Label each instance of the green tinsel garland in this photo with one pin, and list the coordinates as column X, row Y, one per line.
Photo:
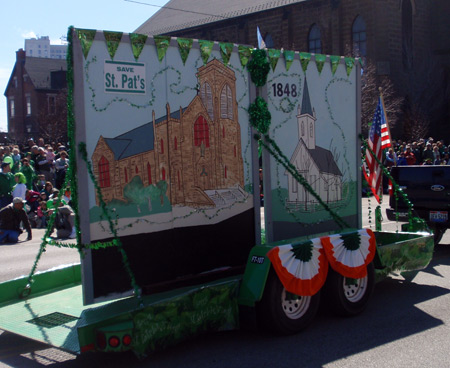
column 259, row 67
column 260, row 115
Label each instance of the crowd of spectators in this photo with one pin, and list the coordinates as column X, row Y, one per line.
column 420, row 152
column 34, row 172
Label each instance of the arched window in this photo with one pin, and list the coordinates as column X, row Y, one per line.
column 303, row 129
column 207, row 98
column 163, row 174
column 359, row 36
column 311, row 127
column 201, row 132
column 149, row 173
column 223, row 131
column 125, row 173
column 136, row 170
column 179, row 180
column 103, row 173
column 407, row 34
column 314, row 43
column 162, row 146
column 225, row 172
column 226, row 103
column 175, row 144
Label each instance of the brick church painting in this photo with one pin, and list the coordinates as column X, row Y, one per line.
column 189, row 157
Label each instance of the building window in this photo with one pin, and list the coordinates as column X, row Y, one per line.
column 225, row 173
column 407, row 34
column 201, row 132
column 235, row 151
column 179, row 180
column 294, row 185
column 28, row 99
column 303, row 129
column 223, row 131
column 359, row 37
column 125, row 173
column 52, row 105
column 314, row 43
column 175, row 144
column 226, row 105
column 207, row 98
column 162, row 146
column 149, row 173
column 163, row 174
column 136, row 170
column 311, row 130
column 103, row 173
column 12, row 109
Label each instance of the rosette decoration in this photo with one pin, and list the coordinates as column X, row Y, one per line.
column 302, row 268
column 350, row 253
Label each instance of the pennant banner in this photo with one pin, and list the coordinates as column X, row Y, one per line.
column 226, row 49
column 184, row 46
column 289, row 58
column 162, row 44
column 137, row 44
column 349, row 64
column 320, row 62
column 274, row 55
column 86, row 37
column 350, row 253
column 305, row 57
column 112, row 42
column 302, row 268
column 334, row 61
column 205, row 50
column 245, row 52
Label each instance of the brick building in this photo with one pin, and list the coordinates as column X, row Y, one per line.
column 405, row 39
column 33, row 95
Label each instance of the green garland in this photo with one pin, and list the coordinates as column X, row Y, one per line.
column 260, row 115
column 259, row 67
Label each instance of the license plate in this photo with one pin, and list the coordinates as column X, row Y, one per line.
column 438, row 216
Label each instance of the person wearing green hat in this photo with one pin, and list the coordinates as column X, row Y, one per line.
column 10, row 218
column 6, row 184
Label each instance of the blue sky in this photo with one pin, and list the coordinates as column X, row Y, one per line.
column 29, row 19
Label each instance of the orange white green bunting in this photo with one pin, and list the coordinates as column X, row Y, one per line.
column 350, row 253
column 302, row 268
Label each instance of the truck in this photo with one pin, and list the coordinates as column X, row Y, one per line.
column 427, row 189
column 165, row 135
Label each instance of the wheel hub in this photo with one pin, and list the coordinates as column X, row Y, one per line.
column 355, row 289
column 294, row 306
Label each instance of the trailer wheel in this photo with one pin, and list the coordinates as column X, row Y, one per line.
column 282, row 312
column 349, row 297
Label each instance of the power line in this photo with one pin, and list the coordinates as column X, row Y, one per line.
column 181, row 10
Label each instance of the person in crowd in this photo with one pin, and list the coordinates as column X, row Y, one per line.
column 402, row 160
column 64, row 219
column 16, row 160
column 44, row 166
column 428, row 153
column 417, row 150
column 7, row 156
column 6, row 185
column 61, row 166
column 436, row 155
column 11, row 217
column 391, row 158
column 47, row 191
column 409, row 156
column 20, row 189
column 33, row 198
column 29, row 173
column 42, row 215
column 40, row 183
column 34, row 156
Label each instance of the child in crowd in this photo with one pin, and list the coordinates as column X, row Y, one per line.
column 42, row 215
column 20, row 188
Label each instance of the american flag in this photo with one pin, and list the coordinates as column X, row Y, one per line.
column 379, row 139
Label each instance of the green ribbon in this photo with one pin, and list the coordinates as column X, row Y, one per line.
column 86, row 37
column 226, row 48
column 137, row 44
column 260, row 115
column 274, row 55
column 305, row 57
column 289, row 58
column 184, row 47
column 320, row 62
column 205, row 49
column 162, row 44
column 112, row 42
column 334, row 59
column 259, row 67
column 349, row 64
column 245, row 52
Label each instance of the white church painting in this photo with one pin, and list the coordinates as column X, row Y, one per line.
column 316, row 164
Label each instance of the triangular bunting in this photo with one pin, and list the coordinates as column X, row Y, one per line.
column 245, row 52
column 274, row 55
column 225, row 51
column 350, row 253
column 137, row 44
column 334, row 61
column 305, row 57
column 349, row 64
column 86, row 37
column 184, row 47
column 302, row 268
column 205, row 49
column 112, row 42
column 320, row 62
column 162, row 44
column 289, row 58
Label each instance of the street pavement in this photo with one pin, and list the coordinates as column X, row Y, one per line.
column 406, row 324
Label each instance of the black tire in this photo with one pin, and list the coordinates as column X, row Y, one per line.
column 282, row 312
column 349, row 297
column 438, row 234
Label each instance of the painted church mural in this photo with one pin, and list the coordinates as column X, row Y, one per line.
column 191, row 154
column 316, row 164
